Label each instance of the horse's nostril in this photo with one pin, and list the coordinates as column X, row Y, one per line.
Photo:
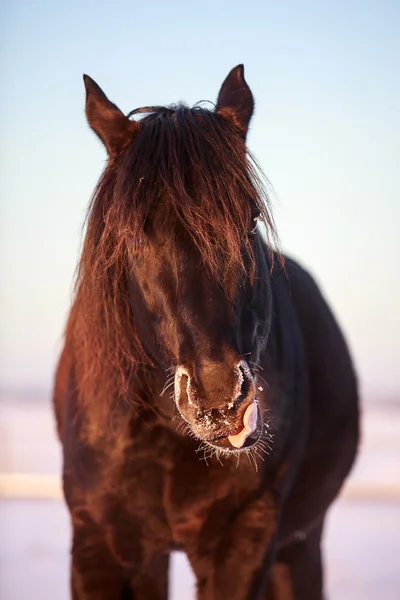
column 186, row 391
column 215, row 413
column 245, row 385
column 182, row 383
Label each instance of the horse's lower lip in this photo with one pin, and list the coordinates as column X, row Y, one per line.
column 224, row 443
column 225, row 434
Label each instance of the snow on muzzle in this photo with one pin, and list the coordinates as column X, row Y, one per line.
column 219, row 404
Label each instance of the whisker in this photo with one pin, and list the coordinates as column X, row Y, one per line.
column 263, row 447
column 254, row 459
column 256, row 366
column 258, row 454
column 218, row 457
column 166, row 386
column 263, row 380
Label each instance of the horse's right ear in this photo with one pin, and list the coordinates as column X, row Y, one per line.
column 235, row 100
column 107, row 121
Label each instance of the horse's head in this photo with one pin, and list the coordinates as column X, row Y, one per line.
column 179, row 204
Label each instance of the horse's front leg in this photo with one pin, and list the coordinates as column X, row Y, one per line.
column 103, row 570
column 231, row 562
column 297, row 573
column 95, row 574
column 152, row 582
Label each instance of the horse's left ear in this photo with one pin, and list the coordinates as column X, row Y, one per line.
column 235, row 100
column 114, row 129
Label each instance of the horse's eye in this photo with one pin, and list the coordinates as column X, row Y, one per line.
column 255, row 219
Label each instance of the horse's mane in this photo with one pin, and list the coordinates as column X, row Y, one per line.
column 197, row 160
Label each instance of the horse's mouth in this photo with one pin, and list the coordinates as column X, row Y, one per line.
column 238, row 438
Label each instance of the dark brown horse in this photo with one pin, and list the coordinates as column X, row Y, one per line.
column 178, row 292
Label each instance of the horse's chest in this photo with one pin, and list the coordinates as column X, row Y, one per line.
column 200, row 498
column 160, row 490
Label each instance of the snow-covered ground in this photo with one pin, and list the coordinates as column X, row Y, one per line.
column 362, row 539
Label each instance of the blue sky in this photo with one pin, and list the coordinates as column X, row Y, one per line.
column 326, row 131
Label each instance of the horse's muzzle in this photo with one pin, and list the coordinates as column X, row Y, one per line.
column 218, row 402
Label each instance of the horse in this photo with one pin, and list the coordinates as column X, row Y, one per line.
column 205, row 397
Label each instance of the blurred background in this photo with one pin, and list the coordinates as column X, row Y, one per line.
column 326, row 131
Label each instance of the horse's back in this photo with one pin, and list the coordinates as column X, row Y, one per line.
column 332, row 380
column 333, row 431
